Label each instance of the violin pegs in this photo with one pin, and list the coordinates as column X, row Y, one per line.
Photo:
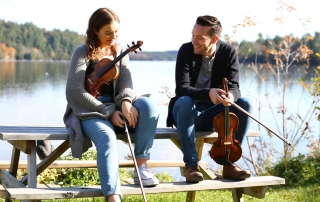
column 128, row 45
column 135, row 51
column 140, row 49
column 132, row 42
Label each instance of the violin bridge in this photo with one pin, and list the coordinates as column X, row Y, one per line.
column 227, row 143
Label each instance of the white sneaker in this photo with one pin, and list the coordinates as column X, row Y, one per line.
column 147, row 177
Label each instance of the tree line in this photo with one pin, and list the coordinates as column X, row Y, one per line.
column 28, row 42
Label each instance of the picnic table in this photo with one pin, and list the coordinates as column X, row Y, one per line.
column 23, row 139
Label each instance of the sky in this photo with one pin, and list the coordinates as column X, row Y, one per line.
column 165, row 25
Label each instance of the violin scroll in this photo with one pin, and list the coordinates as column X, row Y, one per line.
column 134, row 46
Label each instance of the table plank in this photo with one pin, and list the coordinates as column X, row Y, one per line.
column 61, row 133
column 2, row 191
column 93, row 164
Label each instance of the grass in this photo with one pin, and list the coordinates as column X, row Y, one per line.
column 280, row 193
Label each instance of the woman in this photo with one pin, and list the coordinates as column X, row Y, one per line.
column 96, row 118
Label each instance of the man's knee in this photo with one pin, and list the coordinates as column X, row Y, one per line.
column 245, row 103
column 183, row 109
column 185, row 101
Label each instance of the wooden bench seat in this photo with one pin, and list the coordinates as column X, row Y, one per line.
column 254, row 186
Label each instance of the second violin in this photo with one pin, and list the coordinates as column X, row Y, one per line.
column 226, row 149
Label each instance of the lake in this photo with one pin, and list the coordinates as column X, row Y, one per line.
column 33, row 93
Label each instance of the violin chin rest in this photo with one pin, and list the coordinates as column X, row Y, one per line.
column 222, row 160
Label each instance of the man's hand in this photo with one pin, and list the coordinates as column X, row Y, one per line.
column 216, row 96
column 129, row 112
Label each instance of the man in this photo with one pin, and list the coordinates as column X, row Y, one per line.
column 201, row 66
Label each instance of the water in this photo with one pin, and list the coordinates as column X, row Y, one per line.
column 33, row 93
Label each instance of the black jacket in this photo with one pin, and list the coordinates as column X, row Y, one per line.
column 188, row 64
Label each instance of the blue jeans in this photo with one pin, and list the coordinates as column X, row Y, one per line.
column 189, row 117
column 103, row 135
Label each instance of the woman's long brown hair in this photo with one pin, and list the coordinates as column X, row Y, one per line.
column 98, row 19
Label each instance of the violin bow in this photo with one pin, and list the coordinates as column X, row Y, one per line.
column 135, row 162
column 248, row 114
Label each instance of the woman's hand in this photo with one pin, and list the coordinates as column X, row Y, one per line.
column 129, row 113
column 116, row 119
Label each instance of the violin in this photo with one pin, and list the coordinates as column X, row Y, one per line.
column 226, row 149
column 106, row 71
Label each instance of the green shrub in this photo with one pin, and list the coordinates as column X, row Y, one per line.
column 86, row 176
column 91, row 154
column 299, row 170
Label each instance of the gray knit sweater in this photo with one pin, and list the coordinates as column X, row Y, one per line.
column 81, row 105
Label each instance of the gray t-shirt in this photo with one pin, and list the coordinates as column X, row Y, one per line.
column 204, row 77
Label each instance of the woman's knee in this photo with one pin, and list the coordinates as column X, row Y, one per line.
column 100, row 131
column 146, row 105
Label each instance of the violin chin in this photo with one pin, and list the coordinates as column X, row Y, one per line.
column 222, row 160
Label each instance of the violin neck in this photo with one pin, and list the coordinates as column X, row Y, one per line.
column 226, row 121
column 226, row 109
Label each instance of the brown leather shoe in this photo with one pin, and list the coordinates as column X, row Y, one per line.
column 234, row 172
column 193, row 174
